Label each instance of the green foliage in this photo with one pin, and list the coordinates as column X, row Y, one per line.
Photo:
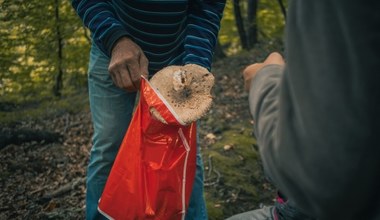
column 228, row 34
column 29, row 46
column 28, row 38
column 270, row 22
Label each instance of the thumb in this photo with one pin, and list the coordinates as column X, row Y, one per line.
column 249, row 73
column 144, row 66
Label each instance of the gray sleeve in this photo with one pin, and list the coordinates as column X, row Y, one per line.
column 264, row 98
column 318, row 123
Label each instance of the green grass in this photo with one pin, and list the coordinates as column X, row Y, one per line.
column 38, row 108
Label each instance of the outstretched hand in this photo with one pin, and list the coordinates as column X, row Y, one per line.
column 250, row 71
column 127, row 64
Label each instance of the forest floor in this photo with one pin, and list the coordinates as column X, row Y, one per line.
column 42, row 180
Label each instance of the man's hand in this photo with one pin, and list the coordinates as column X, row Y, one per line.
column 127, row 64
column 250, row 71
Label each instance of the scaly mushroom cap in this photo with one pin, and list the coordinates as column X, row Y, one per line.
column 187, row 89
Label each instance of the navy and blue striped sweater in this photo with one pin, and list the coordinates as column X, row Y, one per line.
column 168, row 31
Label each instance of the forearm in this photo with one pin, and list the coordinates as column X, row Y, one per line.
column 264, row 108
column 202, row 31
column 99, row 17
column 263, row 100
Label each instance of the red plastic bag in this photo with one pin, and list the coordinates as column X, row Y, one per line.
column 153, row 173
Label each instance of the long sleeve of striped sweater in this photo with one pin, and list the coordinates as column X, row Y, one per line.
column 169, row 32
column 202, row 32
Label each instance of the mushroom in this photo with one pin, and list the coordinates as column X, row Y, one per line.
column 187, row 89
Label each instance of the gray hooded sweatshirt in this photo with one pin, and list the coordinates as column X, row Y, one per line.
column 317, row 121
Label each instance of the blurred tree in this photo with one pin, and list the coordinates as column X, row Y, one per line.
column 58, row 79
column 240, row 25
column 252, row 23
column 218, row 51
column 246, row 23
column 43, row 47
column 247, row 38
column 283, row 8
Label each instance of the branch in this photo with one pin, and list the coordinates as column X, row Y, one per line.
column 282, row 6
column 65, row 188
column 26, row 135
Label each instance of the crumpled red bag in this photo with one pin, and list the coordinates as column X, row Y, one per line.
column 153, row 173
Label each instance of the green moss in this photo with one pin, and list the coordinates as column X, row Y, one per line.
column 237, row 168
column 42, row 108
column 238, row 163
column 214, row 209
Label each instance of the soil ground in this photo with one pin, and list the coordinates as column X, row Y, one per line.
column 41, row 180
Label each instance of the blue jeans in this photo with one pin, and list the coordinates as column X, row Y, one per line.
column 111, row 110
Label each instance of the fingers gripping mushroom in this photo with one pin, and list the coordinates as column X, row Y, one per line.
column 187, row 89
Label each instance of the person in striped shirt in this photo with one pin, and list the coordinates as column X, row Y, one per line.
column 133, row 38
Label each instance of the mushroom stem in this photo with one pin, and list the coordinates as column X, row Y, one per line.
column 181, row 85
column 179, row 80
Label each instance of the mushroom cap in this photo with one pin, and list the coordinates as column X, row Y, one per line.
column 187, row 89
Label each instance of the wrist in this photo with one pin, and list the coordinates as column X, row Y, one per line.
column 120, row 41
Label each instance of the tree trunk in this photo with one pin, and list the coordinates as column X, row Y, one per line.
column 282, row 6
column 252, row 23
column 240, row 25
column 58, row 78
column 218, row 51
